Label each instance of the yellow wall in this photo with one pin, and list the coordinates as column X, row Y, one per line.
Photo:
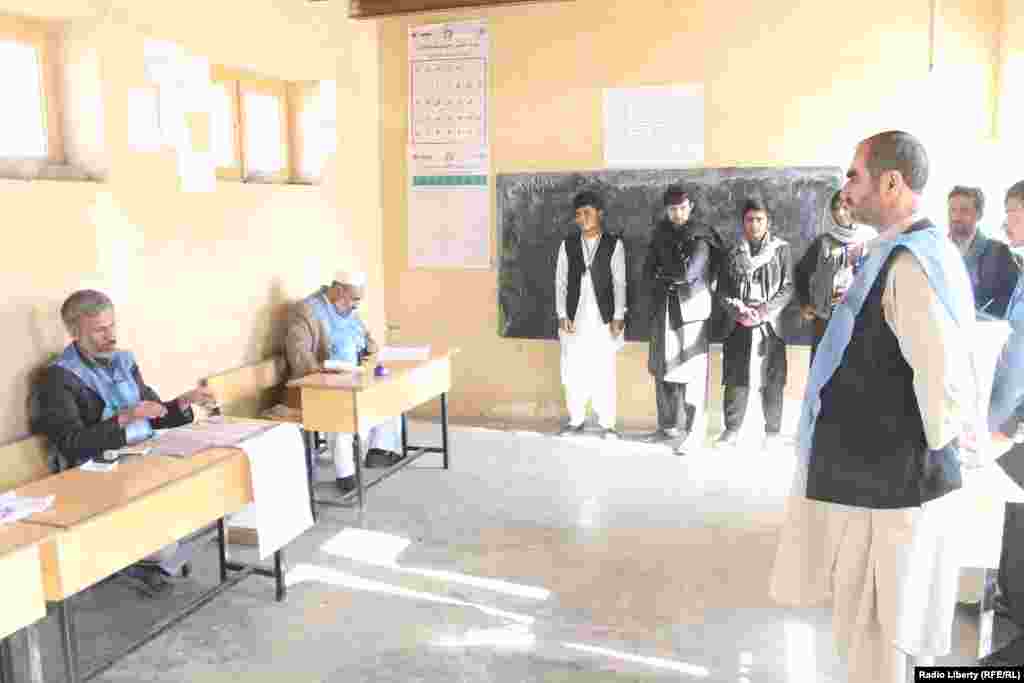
column 199, row 280
column 786, row 83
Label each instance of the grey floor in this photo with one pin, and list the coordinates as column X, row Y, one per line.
column 534, row 559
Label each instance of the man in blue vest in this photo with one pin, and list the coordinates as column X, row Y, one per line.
column 323, row 327
column 93, row 399
column 891, row 390
column 590, row 300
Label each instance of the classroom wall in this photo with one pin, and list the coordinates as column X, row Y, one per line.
column 200, row 280
column 787, row 83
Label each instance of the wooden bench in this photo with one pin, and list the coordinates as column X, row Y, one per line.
column 23, row 462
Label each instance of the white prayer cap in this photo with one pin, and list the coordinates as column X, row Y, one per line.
column 353, row 278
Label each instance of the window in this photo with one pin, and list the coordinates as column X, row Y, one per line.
column 29, row 117
column 269, row 130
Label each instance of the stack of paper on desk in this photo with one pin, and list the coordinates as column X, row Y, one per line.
column 190, row 439
column 400, row 353
column 13, row 508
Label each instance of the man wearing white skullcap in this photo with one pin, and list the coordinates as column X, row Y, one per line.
column 325, row 326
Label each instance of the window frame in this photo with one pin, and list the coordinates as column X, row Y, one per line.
column 279, row 90
column 44, row 39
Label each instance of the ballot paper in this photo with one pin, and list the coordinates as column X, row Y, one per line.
column 96, row 466
column 13, row 508
column 216, row 432
column 403, row 353
column 341, row 366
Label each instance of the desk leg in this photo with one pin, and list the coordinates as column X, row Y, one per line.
column 986, row 613
column 222, row 550
column 6, row 661
column 279, row 575
column 357, row 455
column 35, row 658
column 444, row 428
column 405, row 437
column 69, row 639
column 309, row 439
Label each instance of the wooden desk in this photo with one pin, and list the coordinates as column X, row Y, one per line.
column 355, row 402
column 110, row 520
column 21, row 592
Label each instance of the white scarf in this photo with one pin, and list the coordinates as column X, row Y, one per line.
column 746, row 263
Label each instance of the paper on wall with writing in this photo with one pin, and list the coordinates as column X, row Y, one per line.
column 280, row 509
column 657, row 126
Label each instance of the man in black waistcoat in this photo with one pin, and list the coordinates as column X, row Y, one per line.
column 678, row 275
column 891, row 389
column 754, row 287
column 590, row 299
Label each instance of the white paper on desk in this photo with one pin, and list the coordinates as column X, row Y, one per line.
column 13, row 508
column 341, row 366
column 187, row 440
column 94, row 466
column 400, row 353
column 280, row 509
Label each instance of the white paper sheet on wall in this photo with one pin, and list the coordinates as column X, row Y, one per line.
column 654, row 126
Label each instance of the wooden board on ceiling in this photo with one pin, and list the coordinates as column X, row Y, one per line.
column 368, row 9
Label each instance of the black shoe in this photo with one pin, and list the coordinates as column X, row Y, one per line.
column 569, row 430
column 378, row 457
column 727, row 439
column 148, row 580
column 663, row 435
column 610, row 434
column 346, row 484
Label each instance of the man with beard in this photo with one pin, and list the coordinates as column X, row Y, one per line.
column 754, row 287
column 678, row 272
column 93, row 399
column 890, row 391
column 989, row 262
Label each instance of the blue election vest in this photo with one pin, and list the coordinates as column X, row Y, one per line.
column 346, row 333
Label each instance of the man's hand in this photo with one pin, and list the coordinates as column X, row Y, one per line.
column 838, row 296
column 200, row 396
column 807, row 312
column 371, row 345
column 149, row 410
column 566, row 325
column 617, row 326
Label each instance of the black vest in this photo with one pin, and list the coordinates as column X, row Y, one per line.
column 600, row 273
column 869, row 448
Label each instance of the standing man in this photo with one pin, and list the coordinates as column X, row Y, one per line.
column 890, row 391
column 1008, row 383
column 754, row 287
column 590, row 299
column 678, row 272
column 988, row 261
column 325, row 326
column 93, row 399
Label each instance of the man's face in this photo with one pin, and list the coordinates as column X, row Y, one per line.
column 97, row 334
column 862, row 194
column 348, row 298
column 1015, row 221
column 755, row 224
column 588, row 218
column 679, row 213
column 963, row 216
column 841, row 215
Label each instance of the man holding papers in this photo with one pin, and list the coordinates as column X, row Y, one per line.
column 93, row 399
column 325, row 334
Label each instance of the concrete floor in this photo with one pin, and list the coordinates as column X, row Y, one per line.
column 533, row 559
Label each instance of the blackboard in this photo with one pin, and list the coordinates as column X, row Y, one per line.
column 534, row 213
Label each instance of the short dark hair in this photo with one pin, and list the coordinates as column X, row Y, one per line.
column 973, row 193
column 675, row 194
column 588, row 198
column 836, row 200
column 754, row 204
column 895, row 150
column 1016, row 191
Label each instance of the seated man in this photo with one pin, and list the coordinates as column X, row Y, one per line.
column 93, row 399
column 325, row 326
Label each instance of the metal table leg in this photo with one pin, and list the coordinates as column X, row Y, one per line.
column 279, row 575
column 69, row 639
column 357, row 455
column 405, row 437
column 444, row 428
column 6, row 662
column 35, row 658
column 222, row 550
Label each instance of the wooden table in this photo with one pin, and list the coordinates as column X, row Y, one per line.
column 354, row 402
column 21, row 592
column 110, row 520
